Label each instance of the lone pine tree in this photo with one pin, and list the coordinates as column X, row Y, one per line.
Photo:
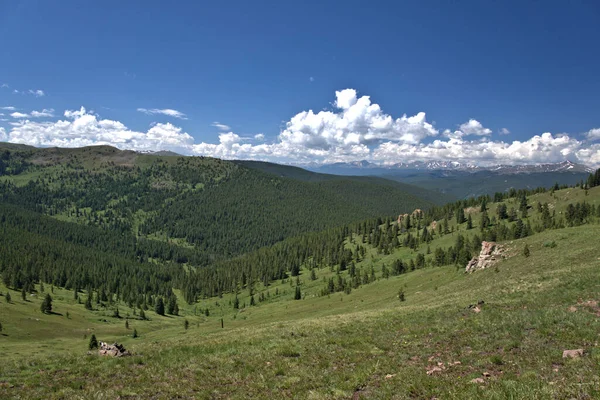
column 93, row 342
column 46, row 306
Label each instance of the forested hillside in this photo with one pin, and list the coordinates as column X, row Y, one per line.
column 217, row 207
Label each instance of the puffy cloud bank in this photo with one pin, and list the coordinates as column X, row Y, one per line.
column 356, row 129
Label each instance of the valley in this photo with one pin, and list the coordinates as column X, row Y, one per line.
column 344, row 302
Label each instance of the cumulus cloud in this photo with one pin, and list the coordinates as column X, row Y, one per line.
column 593, row 134
column 221, row 126
column 17, row 114
column 82, row 128
column 469, row 128
column 504, row 131
column 356, row 121
column 45, row 113
column 165, row 111
column 356, row 129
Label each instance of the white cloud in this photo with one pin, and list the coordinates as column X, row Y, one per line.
column 357, row 122
column 221, row 126
column 504, row 131
column 45, row 113
column 9, row 108
column 19, row 115
column 593, row 134
column 37, row 92
column 165, row 111
column 4, row 85
column 84, row 129
column 356, row 129
column 469, row 128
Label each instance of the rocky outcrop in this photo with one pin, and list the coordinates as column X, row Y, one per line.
column 489, row 255
column 401, row 218
column 114, row 350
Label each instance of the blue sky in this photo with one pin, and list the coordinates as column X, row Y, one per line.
column 531, row 69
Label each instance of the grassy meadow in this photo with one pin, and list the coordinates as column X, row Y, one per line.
column 366, row 344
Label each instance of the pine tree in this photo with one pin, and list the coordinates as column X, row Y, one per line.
column 252, row 301
column 24, row 294
column 142, row 314
column 88, row 302
column 401, row 295
column 469, row 222
column 526, row 251
column 313, row 275
column 236, row 303
column 8, row 297
column 207, row 312
column 159, row 308
column 172, row 305
column 135, row 334
column 93, row 344
column 46, row 306
column 460, row 215
column 126, row 324
column 385, row 273
column 298, row 294
column 186, row 324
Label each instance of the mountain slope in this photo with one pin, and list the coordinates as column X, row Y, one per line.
column 220, row 208
column 365, row 342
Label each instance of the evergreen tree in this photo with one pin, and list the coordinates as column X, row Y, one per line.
column 469, row 222
column 24, row 295
column 298, row 294
column 93, row 344
column 142, row 314
column 385, row 273
column 159, row 308
column 252, row 301
column 135, row 333
column 46, row 306
column 526, row 250
column 207, row 312
column 88, row 302
column 126, row 324
column 236, row 303
column 186, row 324
column 0, row 326
column 313, row 275
column 8, row 297
column 460, row 215
column 401, row 295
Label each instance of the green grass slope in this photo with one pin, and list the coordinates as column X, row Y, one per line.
column 365, row 344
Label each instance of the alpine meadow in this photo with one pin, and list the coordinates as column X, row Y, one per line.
column 233, row 281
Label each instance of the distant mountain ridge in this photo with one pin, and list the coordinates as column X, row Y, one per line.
column 564, row 166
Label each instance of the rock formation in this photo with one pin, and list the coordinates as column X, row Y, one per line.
column 490, row 253
column 114, row 350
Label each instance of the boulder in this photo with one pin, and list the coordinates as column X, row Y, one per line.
column 114, row 350
column 490, row 254
column 573, row 353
